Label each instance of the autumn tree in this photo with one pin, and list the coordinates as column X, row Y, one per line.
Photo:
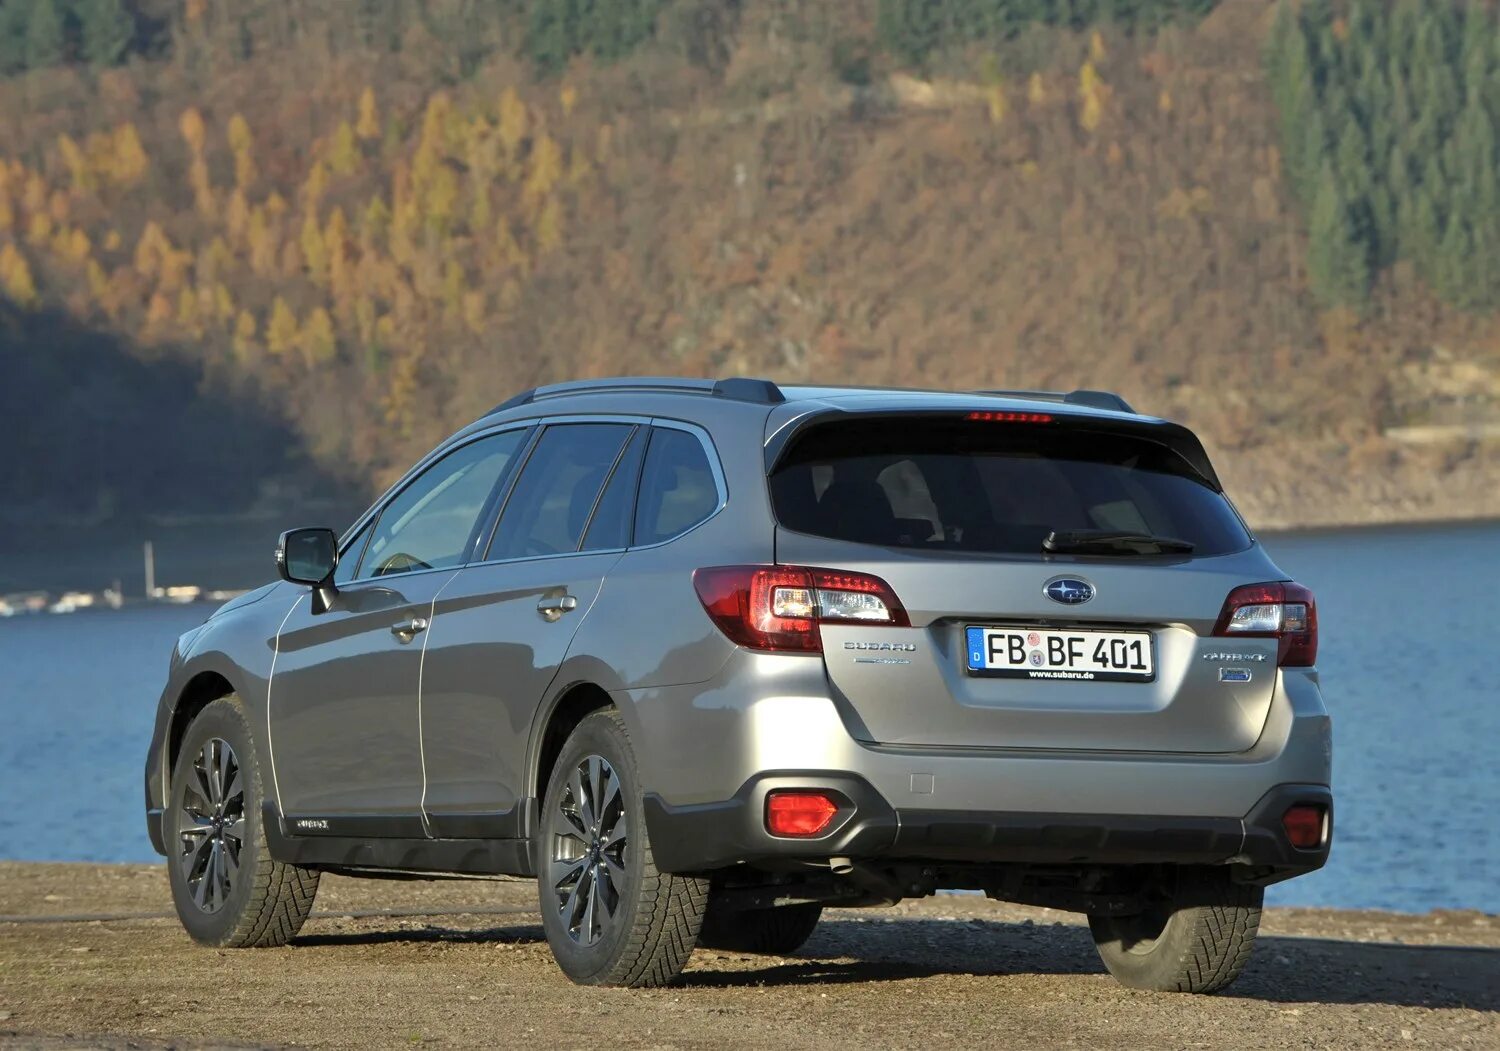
column 317, row 338
column 368, row 127
column 15, row 276
column 128, row 163
column 343, row 150
column 281, row 330
column 242, row 145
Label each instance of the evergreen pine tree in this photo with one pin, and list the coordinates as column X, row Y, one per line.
column 43, row 45
column 13, row 19
column 1427, row 220
column 552, row 32
column 1338, row 264
column 105, row 28
column 1311, row 158
column 910, row 29
column 1449, row 271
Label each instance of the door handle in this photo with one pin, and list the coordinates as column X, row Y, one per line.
column 553, row 608
column 407, row 630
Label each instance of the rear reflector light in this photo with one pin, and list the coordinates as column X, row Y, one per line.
column 1279, row 610
column 798, row 813
column 1010, row 417
column 780, row 607
column 1304, row 826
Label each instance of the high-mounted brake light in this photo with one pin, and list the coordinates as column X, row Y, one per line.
column 780, row 607
column 1279, row 610
column 1011, row 417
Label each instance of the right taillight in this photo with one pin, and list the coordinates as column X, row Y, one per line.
column 1279, row 610
column 780, row 607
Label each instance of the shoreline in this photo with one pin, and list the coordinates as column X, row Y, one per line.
column 1478, row 519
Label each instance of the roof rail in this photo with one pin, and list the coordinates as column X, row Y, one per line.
column 1093, row 399
column 736, row 388
column 743, row 388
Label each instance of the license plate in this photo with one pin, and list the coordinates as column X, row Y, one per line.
column 1046, row 653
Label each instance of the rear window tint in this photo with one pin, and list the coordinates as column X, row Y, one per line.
column 677, row 487
column 999, row 488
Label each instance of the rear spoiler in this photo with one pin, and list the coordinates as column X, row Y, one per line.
column 1174, row 436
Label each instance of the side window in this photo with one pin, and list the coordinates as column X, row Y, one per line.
column 349, row 560
column 610, row 527
column 430, row 523
column 554, row 498
column 677, row 487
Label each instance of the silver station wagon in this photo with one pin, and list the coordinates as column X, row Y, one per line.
column 703, row 658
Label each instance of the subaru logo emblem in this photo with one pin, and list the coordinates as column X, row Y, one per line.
column 1068, row 590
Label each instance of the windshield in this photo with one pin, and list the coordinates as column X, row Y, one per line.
column 944, row 484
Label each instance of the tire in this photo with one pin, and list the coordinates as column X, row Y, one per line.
column 778, row 931
column 610, row 917
column 1194, row 938
column 228, row 891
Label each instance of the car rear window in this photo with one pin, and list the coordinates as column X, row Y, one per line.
column 956, row 485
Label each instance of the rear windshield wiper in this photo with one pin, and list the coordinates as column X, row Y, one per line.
column 1113, row 541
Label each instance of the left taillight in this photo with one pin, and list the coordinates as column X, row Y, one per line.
column 1279, row 610
column 779, row 608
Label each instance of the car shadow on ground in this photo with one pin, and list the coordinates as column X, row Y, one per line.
column 1290, row 970
column 522, row 934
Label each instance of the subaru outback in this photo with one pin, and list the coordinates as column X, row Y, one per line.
column 704, row 658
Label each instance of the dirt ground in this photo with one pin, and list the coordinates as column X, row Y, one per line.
column 90, row 957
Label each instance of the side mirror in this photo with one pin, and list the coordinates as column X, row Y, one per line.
column 308, row 556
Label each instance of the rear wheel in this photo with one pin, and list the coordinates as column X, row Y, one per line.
column 227, row 889
column 1195, row 936
column 610, row 917
column 776, row 932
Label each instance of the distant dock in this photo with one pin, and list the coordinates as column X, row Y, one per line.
column 22, row 603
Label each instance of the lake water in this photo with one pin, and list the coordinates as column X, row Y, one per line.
column 1409, row 659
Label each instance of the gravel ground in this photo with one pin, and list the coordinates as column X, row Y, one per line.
column 463, row 963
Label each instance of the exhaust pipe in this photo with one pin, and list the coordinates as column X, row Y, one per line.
column 879, row 888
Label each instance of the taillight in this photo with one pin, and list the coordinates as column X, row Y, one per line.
column 1279, row 610
column 780, row 607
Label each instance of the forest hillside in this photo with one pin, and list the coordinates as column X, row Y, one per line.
column 360, row 224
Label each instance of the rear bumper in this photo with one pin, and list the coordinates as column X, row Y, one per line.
column 773, row 721
column 707, row 836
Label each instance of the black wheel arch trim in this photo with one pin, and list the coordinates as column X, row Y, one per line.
column 158, row 766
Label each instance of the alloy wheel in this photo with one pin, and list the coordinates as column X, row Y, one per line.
column 589, row 839
column 211, row 825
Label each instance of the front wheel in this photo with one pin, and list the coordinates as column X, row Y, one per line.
column 1194, row 936
column 610, row 916
column 228, row 890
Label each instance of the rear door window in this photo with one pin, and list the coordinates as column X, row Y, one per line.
column 955, row 485
column 610, row 527
column 678, row 489
column 554, row 498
